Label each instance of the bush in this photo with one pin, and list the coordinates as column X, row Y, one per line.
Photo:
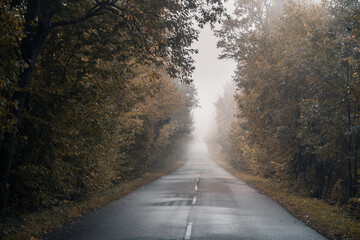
column 353, row 206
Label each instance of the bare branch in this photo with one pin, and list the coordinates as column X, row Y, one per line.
column 94, row 11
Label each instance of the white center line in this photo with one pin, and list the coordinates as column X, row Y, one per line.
column 188, row 231
column 194, row 201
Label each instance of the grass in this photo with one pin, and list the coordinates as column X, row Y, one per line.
column 32, row 226
column 334, row 222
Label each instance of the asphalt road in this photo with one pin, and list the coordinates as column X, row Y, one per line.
column 198, row 201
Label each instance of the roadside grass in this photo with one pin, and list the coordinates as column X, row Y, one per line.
column 33, row 226
column 334, row 222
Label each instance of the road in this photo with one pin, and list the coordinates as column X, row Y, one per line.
column 198, row 201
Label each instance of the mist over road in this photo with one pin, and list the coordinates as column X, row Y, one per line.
column 198, row 201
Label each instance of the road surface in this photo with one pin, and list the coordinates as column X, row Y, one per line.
column 198, row 201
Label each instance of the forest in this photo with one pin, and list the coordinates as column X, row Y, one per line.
column 92, row 93
column 295, row 116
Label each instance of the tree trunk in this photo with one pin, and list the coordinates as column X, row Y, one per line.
column 349, row 154
column 357, row 142
column 30, row 48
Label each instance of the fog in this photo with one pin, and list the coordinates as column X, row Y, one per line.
column 209, row 78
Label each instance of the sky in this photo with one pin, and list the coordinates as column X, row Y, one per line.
column 210, row 76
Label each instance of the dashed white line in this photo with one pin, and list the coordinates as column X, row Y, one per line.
column 188, row 231
column 194, row 201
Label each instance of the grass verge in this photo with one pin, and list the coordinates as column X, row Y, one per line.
column 32, row 226
column 332, row 221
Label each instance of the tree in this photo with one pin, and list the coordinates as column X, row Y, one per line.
column 298, row 99
column 152, row 31
column 225, row 114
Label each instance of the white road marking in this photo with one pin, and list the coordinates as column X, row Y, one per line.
column 196, row 184
column 197, row 180
column 194, row 201
column 188, row 231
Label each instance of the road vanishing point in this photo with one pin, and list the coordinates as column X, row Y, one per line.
column 200, row 200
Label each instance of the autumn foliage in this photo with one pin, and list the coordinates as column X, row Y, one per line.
column 298, row 94
column 92, row 93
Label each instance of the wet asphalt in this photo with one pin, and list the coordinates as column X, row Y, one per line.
column 198, row 201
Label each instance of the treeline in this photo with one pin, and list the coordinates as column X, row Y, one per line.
column 298, row 94
column 225, row 112
column 92, row 93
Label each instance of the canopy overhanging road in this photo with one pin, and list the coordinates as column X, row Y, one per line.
column 198, row 201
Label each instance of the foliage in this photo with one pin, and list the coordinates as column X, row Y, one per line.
column 298, row 97
column 110, row 135
column 87, row 96
column 91, row 93
column 225, row 112
column 11, row 30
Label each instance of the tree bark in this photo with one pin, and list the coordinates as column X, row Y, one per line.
column 349, row 154
column 357, row 142
column 30, row 49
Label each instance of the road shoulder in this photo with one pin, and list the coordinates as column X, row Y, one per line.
column 330, row 220
column 34, row 225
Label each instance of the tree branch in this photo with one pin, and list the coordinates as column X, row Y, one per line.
column 94, row 11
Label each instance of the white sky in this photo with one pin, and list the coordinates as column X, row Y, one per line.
column 209, row 78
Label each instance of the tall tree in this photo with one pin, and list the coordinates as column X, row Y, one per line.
column 155, row 31
column 298, row 99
